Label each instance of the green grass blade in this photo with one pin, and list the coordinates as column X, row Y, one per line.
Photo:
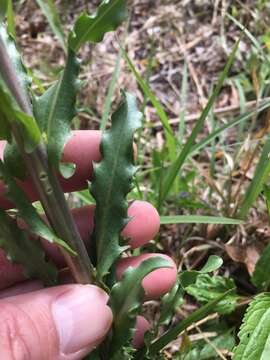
column 248, row 34
column 183, row 99
column 261, row 175
column 178, row 163
column 10, row 19
column 170, row 139
column 197, row 315
column 198, row 219
column 240, row 119
column 50, row 11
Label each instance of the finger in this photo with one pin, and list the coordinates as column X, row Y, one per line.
column 143, row 227
column 142, row 326
column 81, row 149
column 158, row 282
column 61, row 323
column 22, row 288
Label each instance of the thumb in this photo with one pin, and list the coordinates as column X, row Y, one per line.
column 60, row 323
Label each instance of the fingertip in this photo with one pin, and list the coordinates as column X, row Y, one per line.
column 158, row 282
column 144, row 224
column 142, row 326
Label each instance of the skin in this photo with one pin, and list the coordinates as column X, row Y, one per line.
column 58, row 323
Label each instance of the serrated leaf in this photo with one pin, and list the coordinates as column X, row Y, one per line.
column 170, row 302
column 254, row 332
column 11, row 154
column 109, row 15
column 55, row 109
column 112, row 180
column 27, row 212
column 126, row 299
column 20, row 249
column 13, row 161
column 207, row 288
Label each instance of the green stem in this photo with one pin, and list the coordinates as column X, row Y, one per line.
column 46, row 183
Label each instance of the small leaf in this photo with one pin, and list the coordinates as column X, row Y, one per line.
column 112, row 182
column 20, row 249
column 109, row 15
column 27, row 211
column 55, row 109
column 207, row 288
column 189, row 277
column 126, row 299
column 170, row 302
column 213, row 263
column 254, row 331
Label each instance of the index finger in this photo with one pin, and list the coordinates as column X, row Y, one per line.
column 81, row 149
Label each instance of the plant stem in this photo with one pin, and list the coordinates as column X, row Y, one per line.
column 46, row 183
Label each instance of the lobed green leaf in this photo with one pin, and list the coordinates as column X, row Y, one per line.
column 55, row 109
column 27, row 212
column 109, row 15
column 112, row 180
column 126, row 299
column 20, row 249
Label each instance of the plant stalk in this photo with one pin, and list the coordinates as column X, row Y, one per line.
column 46, row 183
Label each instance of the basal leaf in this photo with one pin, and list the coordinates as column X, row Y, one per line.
column 55, row 109
column 207, row 288
column 112, row 182
column 27, row 212
column 254, row 332
column 109, row 15
column 20, row 249
column 126, row 299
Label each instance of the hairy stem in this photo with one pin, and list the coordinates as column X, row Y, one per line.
column 46, row 183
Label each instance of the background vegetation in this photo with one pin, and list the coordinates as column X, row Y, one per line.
column 200, row 70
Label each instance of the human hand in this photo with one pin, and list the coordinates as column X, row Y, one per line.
column 68, row 321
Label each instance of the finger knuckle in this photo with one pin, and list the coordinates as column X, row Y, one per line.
column 13, row 339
